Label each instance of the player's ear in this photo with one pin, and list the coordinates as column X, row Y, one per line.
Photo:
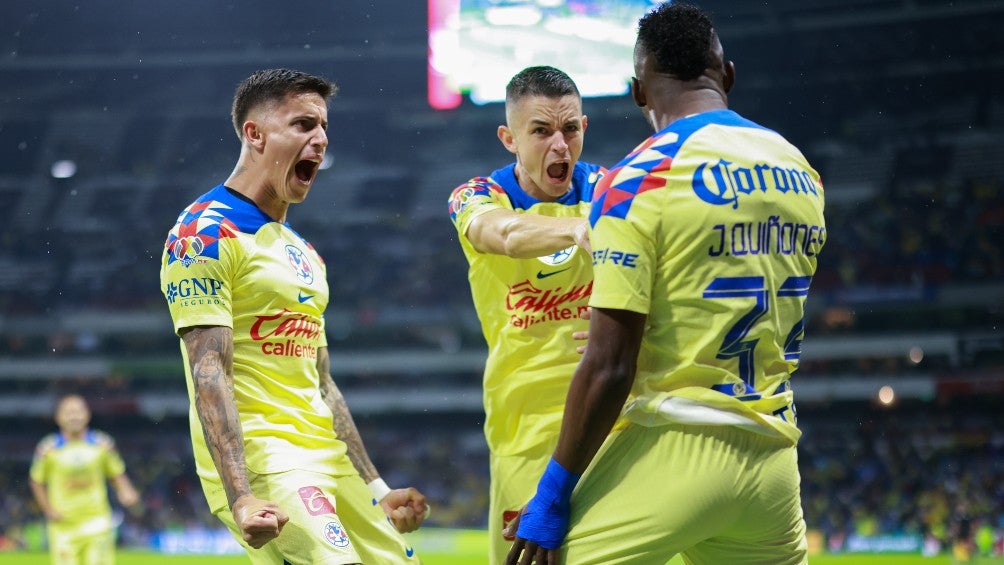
column 636, row 93
column 585, row 122
column 506, row 137
column 729, row 76
column 253, row 134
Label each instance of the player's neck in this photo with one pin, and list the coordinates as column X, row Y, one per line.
column 256, row 189
column 682, row 99
column 74, row 436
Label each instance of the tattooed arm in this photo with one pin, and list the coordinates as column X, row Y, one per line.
column 344, row 425
column 405, row 507
column 211, row 355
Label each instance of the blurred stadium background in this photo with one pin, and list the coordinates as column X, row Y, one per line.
column 114, row 115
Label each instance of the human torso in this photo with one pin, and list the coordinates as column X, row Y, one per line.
column 228, row 264
column 75, row 473
column 528, row 309
column 711, row 227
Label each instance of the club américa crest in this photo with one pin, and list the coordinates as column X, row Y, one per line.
column 301, row 265
column 335, row 534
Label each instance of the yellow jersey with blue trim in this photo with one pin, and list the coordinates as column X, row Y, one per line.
column 226, row 263
column 528, row 309
column 75, row 473
column 711, row 227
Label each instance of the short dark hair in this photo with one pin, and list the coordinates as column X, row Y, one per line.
column 270, row 85
column 679, row 36
column 540, row 81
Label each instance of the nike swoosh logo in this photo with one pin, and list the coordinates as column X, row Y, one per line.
column 543, row 275
column 303, row 298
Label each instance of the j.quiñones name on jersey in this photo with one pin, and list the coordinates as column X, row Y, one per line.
column 711, row 227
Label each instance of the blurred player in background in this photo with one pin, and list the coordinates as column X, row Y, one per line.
column 962, row 534
column 276, row 449
column 704, row 244
column 69, row 475
column 524, row 233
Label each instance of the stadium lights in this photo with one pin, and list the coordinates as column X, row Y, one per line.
column 886, row 395
column 63, row 169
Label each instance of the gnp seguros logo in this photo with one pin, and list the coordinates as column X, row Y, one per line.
column 194, row 291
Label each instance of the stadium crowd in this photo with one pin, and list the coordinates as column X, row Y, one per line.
column 919, row 220
column 911, row 470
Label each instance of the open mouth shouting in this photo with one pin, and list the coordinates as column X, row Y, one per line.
column 557, row 173
column 306, row 169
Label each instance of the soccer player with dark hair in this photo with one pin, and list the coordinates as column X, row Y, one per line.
column 705, row 239
column 69, row 476
column 523, row 230
column 278, row 453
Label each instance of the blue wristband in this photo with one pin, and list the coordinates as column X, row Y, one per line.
column 545, row 521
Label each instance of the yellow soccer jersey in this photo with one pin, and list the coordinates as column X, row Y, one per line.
column 528, row 310
column 75, row 473
column 228, row 264
column 711, row 227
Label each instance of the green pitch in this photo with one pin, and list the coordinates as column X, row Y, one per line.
column 463, row 547
column 434, row 558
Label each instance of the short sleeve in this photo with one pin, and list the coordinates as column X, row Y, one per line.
column 199, row 289
column 625, row 258
column 475, row 197
column 39, row 461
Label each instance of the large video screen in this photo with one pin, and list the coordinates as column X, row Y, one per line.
column 476, row 46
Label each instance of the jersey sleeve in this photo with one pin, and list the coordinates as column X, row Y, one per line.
column 625, row 259
column 39, row 470
column 474, row 198
column 113, row 464
column 199, row 289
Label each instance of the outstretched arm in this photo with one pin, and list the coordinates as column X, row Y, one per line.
column 526, row 235
column 405, row 507
column 211, row 355
column 595, row 399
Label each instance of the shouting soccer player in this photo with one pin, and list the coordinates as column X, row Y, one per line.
column 273, row 438
column 704, row 244
column 524, row 233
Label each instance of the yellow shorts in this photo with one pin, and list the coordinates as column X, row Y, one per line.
column 84, row 543
column 513, row 483
column 715, row 494
column 332, row 520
